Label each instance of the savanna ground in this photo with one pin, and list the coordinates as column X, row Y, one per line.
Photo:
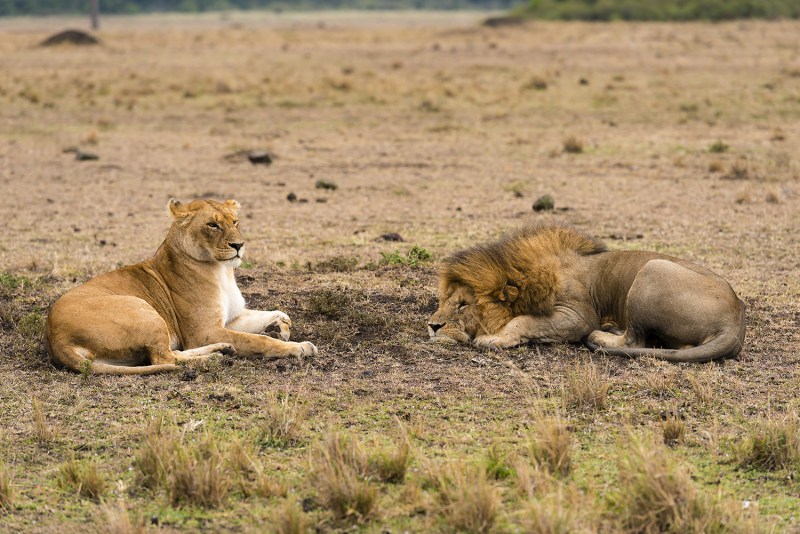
column 683, row 139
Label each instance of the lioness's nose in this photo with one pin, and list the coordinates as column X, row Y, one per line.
column 435, row 326
column 236, row 246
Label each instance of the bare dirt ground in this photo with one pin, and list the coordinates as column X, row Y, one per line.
column 445, row 132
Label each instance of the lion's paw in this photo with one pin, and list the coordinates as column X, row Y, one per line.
column 304, row 349
column 494, row 342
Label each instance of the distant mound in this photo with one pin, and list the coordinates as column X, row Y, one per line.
column 75, row 37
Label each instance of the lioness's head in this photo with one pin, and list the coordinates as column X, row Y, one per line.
column 207, row 230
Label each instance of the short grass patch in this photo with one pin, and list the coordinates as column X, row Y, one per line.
column 771, row 444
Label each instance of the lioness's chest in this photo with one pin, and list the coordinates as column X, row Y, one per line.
column 231, row 299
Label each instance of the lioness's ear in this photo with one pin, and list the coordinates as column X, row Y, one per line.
column 232, row 204
column 175, row 208
column 511, row 293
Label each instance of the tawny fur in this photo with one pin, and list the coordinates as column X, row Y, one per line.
column 181, row 305
column 552, row 283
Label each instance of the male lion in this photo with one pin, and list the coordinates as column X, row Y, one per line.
column 183, row 304
column 554, row 284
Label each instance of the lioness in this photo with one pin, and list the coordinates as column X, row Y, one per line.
column 183, row 304
column 554, row 284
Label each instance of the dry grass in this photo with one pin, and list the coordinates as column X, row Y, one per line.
column 562, row 511
column 284, row 423
column 469, row 500
column 661, row 379
column 117, row 519
column 390, row 463
column 6, row 487
column 657, row 495
column 339, row 467
column 42, row 431
column 290, row 519
column 82, row 477
column 193, row 471
column 198, row 474
column 586, row 386
column 673, row 429
column 771, row 444
column 550, row 445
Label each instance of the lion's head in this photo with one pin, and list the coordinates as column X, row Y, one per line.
column 207, row 230
column 484, row 287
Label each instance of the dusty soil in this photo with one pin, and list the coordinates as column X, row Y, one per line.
column 430, row 126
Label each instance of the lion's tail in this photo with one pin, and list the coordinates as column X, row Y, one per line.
column 727, row 344
column 72, row 358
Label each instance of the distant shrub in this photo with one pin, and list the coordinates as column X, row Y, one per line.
column 718, row 147
column 661, row 10
column 573, row 145
column 83, row 478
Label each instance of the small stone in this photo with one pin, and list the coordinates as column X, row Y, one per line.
column 543, row 203
column 260, row 157
column 86, row 156
column 583, row 81
column 291, row 197
column 393, row 236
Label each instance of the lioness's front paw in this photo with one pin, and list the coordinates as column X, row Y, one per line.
column 496, row 342
column 304, row 349
column 284, row 323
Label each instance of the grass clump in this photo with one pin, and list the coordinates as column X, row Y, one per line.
column 289, row 519
column 337, row 264
column 390, row 463
column 563, row 511
column 573, row 145
column 469, row 500
column 117, row 519
column 771, row 444
column 339, row 464
column 656, row 495
column 193, row 472
column 42, row 432
column 586, row 387
column 718, row 147
column 415, row 257
column 81, row 477
column 6, row 488
column 283, row 425
column 326, row 185
column 496, row 463
column 673, row 429
column 550, row 446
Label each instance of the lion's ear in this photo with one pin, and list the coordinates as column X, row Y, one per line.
column 176, row 209
column 233, row 205
column 511, row 293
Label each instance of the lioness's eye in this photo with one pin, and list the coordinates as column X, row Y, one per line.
column 214, row 225
column 462, row 305
column 236, row 224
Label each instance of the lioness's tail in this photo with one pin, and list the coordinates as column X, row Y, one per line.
column 726, row 344
column 72, row 359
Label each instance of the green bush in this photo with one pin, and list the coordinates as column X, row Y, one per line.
column 661, row 10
